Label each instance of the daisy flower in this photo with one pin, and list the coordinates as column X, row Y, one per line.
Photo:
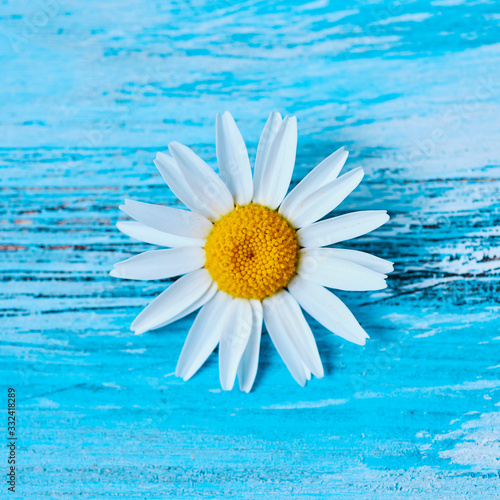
column 250, row 254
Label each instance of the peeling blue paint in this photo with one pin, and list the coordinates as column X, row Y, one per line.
column 90, row 91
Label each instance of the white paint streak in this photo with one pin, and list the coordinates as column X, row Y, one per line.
column 318, row 4
column 479, row 443
column 477, row 385
column 47, row 403
column 111, row 384
column 322, row 403
column 448, row 3
column 466, row 258
column 430, row 333
column 417, row 18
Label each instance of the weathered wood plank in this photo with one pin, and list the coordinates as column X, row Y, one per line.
column 92, row 90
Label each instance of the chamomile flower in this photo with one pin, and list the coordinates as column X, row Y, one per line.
column 249, row 254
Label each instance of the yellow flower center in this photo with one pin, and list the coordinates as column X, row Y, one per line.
column 251, row 252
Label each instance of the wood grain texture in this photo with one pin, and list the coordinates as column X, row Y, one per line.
column 91, row 90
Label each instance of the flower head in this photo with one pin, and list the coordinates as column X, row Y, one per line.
column 249, row 253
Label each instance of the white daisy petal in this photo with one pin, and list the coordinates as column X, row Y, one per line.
column 266, row 141
column 277, row 330
column 177, row 297
column 160, row 264
column 212, row 290
column 327, row 309
column 168, row 219
column 234, row 339
column 362, row 258
column 325, row 199
column 325, row 172
column 299, row 332
column 321, row 266
column 247, row 369
column 204, row 182
column 344, row 227
column 141, row 232
column 306, row 371
column 278, row 168
column 232, row 157
column 177, row 183
column 204, row 335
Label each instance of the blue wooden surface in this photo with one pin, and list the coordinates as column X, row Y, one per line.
column 91, row 90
